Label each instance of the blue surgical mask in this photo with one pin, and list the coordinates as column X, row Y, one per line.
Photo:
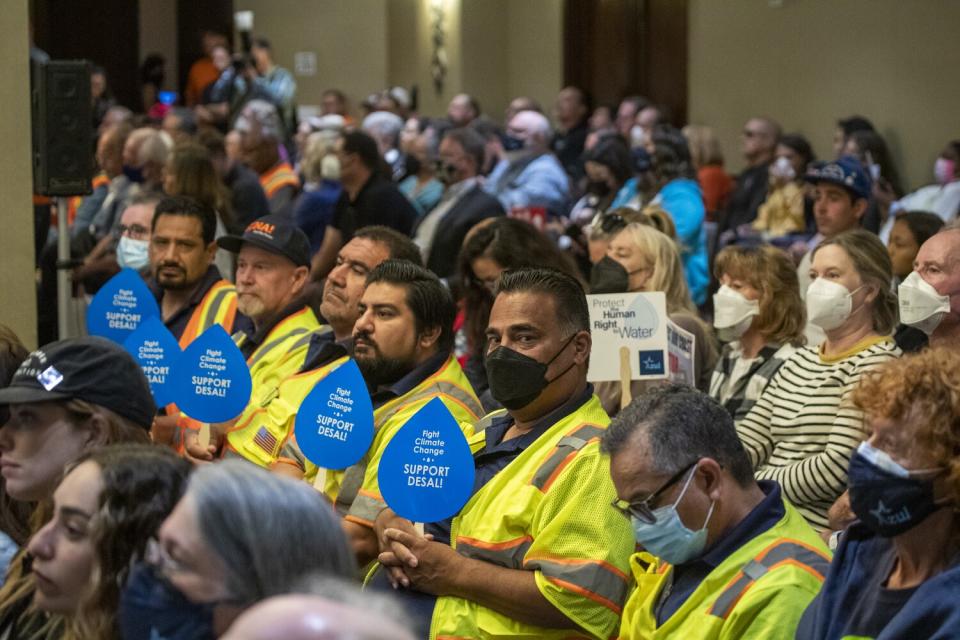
column 151, row 608
column 132, row 253
column 668, row 538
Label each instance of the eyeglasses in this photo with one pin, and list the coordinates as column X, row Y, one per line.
column 642, row 510
column 135, row 231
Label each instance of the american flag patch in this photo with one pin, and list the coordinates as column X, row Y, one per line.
column 265, row 440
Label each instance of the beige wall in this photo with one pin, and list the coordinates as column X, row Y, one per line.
column 18, row 291
column 158, row 34
column 349, row 38
column 809, row 62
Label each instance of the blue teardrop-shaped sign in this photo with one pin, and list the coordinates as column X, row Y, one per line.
column 426, row 472
column 154, row 347
column 211, row 381
column 120, row 306
column 334, row 425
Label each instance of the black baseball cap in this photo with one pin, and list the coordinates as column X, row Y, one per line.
column 93, row 369
column 274, row 233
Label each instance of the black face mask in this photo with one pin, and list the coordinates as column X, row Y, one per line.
column 512, row 143
column 517, row 380
column 886, row 503
column 151, row 607
column 411, row 165
column 609, row 276
column 446, row 173
column 598, row 188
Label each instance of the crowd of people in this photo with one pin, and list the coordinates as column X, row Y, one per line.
column 805, row 484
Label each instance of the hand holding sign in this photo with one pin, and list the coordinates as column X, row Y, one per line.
column 120, row 306
column 334, row 426
column 156, row 350
column 426, row 472
column 211, row 379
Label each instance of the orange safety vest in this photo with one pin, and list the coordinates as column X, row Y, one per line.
column 280, row 176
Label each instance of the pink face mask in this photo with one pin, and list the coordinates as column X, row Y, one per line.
column 943, row 170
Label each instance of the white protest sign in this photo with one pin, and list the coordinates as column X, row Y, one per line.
column 630, row 334
column 681, row 345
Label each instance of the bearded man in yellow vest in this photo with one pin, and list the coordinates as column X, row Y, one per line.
column 724, row 556
column 273, row 258
column 191, row 292
column 273, row 420
column 537, row 551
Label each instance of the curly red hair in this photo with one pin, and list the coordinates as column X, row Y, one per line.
column 923, row 388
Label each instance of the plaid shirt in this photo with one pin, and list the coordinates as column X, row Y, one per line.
column 737, row 395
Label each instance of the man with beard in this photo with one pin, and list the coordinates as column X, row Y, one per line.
column 273, row 258
column 191, row 292
column 261, row 134
column 403, row 345
column 340, row 308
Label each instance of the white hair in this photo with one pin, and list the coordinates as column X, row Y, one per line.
column 262, row 113
column 383, row 124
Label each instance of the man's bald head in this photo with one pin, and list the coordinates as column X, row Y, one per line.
column 308, row 617
column 760, row 136
column 532, row 126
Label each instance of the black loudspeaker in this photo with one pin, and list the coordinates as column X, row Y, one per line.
column 62, row 127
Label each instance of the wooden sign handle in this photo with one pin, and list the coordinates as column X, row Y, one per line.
column 626, row 377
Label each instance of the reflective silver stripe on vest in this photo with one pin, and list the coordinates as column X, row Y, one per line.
column 508, row 554
column 267, row 348
column 567, row 445
column 348, row 500
column 758, row 567
column 590, row 576
column 209, row 318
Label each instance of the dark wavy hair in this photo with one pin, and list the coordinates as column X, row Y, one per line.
column 512, row 244
column 141, row 485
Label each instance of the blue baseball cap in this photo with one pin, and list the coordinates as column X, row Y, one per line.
column 846, row 172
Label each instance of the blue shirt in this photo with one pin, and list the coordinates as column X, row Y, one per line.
column 537, row 182
column 854, row 600
column 683, row 200
column 687, row 577
column 314, row 211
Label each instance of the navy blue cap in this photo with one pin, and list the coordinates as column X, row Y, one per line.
column 846, row 172
column 273, row 233
column 89, row 368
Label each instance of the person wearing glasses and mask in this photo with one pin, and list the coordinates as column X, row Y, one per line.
column 896, row 572
column 724, row 556
column 803, row 429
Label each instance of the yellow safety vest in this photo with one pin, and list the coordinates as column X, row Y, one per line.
column 279, row 356
column 218, row 306
column 355, row 491
column 548, row 512
column 758, row 592
column 271, row 420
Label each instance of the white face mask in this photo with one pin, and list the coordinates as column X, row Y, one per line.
column 733, row 313
column 829, row 304
column 782, row 168
column 132, row 253
column 920, row 304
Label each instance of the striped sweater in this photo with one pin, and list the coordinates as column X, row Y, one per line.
column 804, row 428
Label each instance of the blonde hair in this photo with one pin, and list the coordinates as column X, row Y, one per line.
column 704, row 145
column 872, row 261
column 318, row 145
column 768, row 269
column 663, row 259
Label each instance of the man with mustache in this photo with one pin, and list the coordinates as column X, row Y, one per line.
column 191, row 292
column 273, row 267
column 340, row 308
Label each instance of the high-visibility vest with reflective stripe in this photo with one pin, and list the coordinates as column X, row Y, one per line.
column 272, row 419
column 279, row 356
column 218, row 306
column 356, row 490
column 280, row 176
column 548, row 512
column 758, row 592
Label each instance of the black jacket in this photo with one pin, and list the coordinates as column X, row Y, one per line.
column 474, row 206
